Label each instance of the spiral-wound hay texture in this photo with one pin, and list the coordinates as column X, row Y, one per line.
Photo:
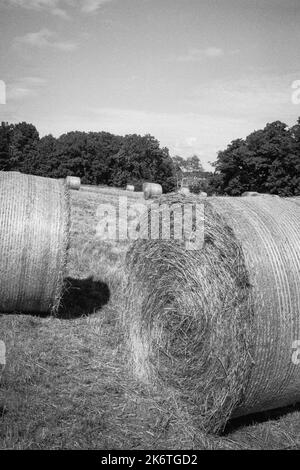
column 34, row 221
column 296, row 200
column 73, row 182
column 215, row 326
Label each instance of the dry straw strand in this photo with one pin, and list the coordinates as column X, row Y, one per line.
column 216, row 325
column 34, row 220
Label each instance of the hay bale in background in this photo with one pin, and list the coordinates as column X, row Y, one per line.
column 73, row 182
column 216, row 326
column 250, row 193
column 34, row 221
column 253, row 193
column 129, row 187
column 184, row 191
column 152, row 190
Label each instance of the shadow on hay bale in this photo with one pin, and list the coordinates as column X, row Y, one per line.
column 262, row 417
column 215, row 326
column 82, row 297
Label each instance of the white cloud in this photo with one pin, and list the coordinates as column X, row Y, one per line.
column 23, row 88
column 89, row 6
column 198, row 55
column 60, row 13
column 262, row 96
column 53, row 6
column 34, row 4
column 45, row 39
column 213, row 52
column 58, row 7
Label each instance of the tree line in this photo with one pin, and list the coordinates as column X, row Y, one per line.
column 96, row 157
column 266, row 161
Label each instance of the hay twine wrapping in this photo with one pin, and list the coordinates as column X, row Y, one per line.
column 215, row 326
column 152, row 190
column 73, row 182
column 34, row 221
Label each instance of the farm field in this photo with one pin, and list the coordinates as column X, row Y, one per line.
column 67, row 384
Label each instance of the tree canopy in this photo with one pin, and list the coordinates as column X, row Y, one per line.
column 96, row 157
column 266, row 161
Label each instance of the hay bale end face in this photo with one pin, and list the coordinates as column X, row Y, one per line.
column 73, row 182
column 152, row 190
column 34, row 221
column 216, row 326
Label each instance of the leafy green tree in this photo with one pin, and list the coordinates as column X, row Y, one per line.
column 5, row 163
column 267, row 161
column 23, row 148
column 46, row 156
column 193, row 163
column 101, row 146
column 139, row 159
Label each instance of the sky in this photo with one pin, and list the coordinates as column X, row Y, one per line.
column 196, row 74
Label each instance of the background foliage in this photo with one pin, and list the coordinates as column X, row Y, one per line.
column 266, row 161
column 96, row 157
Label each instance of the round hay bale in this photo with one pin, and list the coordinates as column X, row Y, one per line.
column 34, row 220
column 184, row 191
column 216, row 326
column 250, row 193
column 254, row 194
column 73, row 182
column 295, row 199
column 203, row 194
column 129, row 187
column 152, row 190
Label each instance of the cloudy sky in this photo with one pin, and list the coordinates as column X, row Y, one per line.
column 194, row 73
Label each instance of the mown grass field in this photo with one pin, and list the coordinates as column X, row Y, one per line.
column 67, row 384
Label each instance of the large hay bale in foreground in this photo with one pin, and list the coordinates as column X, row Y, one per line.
column 216, row 326
column 73, row 182
column 295, row 199
column 152, row 190
column 34, row 221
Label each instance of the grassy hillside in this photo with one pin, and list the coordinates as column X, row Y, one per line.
column 67, row 384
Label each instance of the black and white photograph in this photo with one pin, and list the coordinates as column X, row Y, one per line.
column 149, row 228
